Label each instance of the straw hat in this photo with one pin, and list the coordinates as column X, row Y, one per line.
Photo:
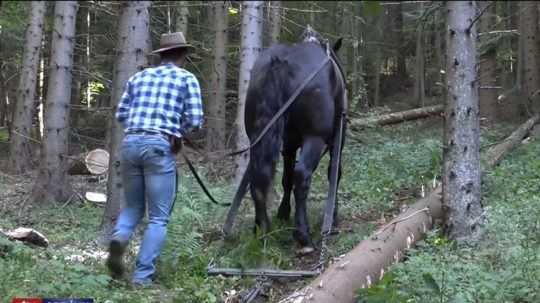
column 171, row 41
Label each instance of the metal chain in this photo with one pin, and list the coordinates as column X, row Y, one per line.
column 322, row 255
column 262, row 283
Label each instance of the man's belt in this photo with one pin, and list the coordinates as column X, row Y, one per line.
column 149, row 133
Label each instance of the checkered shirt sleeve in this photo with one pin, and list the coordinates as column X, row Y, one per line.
column 193, row 111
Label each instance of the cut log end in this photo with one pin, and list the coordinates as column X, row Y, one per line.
column 27, row 235
column 95, row 162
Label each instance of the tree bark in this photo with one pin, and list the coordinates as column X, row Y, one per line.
column 369, row 260
column 377, row 63
column 275, row 21
column 419, row 87
column 377, row 80
column 520, row 70
column 52, row 184
column 362, row 103
column 182, row 16
column 397, row 117
column 401, row 55
column 133, row 45
column 488, row 66
column 216, row 107
column 4, row 108
column 461, row 152
column 439, row 54
column 529, row 33
column 44, row 63
column 78, row 63
column 250, row 48
column 19, row 148
column 345, row 32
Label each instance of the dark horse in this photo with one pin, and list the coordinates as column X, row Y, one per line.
column 309, row 125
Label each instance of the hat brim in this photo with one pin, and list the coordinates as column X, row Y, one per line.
column 184, row 46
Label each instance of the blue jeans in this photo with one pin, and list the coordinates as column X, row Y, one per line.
column 148, row 170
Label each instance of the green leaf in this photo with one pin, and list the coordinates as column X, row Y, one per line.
column 372, row 8
column 430, row 281
column 458, row 298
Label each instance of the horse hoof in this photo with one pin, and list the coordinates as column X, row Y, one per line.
column 306, row 250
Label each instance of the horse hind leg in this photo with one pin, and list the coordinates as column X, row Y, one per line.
column 335, row 220
column 289, row 158
column 261, row 180
column 303, row 171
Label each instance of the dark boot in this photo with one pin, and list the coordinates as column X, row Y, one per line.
column 115, row 261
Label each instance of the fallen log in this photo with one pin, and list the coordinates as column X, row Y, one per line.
column 367, row 262
column 27, row 235
column 95, row 162
column 496, row 153
column 397, row 117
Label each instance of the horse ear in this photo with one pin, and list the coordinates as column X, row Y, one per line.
column 337, row 44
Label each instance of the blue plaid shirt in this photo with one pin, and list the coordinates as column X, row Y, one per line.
column 165, row 98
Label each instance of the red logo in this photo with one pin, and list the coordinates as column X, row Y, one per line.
column 26, row 300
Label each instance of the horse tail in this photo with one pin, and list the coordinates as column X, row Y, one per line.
column 235, row 205
column 264, row 155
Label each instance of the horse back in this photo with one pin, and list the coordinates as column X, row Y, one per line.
column 313, row 112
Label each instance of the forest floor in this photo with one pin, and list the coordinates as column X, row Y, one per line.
column 384, row 169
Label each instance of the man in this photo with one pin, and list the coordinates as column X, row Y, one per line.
column 159, row 105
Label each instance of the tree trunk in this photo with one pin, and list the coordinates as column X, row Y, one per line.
column 461, row 178
column 3, row 100
column 419, row 87
column 52, row 184
column 529, row 32
column 4, row 108
column 520, row 70
column 377, row 80
column 377, row 62
column 216, row 107
column 88, row 50
column 133, row 45
column 362, row 103
column 370, row 259
column 250, row 48
column 488, row 66
column 398, row 117
column 182, row 16
column 275, row 21
column 401, row 55
column 355, row 58
column 312, row 14
column 345, row 32
column 19, row 148
column 43, row 80
column 439, row 54
column 78, row 63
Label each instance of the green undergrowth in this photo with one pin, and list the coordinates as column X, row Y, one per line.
column 4, row 135
column 503, row 267
column 382, row 169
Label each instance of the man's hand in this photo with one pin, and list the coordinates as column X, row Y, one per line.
column 176, row 144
